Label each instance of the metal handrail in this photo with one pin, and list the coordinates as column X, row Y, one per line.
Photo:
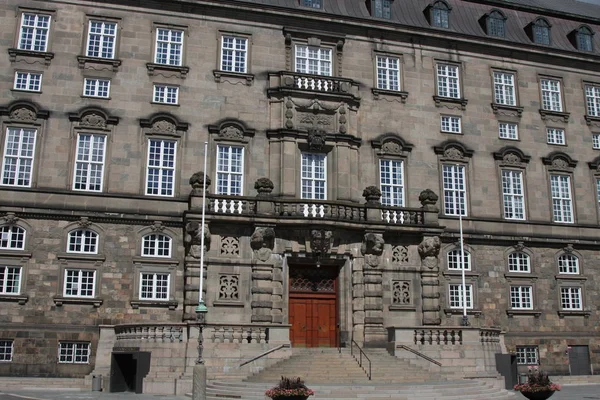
column 360, row 357
column 265, row 353
column 431, row 360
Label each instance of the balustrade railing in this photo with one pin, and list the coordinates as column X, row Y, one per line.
column 489, row 335
column 317, row 83
column 239, row 334
column 402, row 217
column 438, row 336
column 150, row 333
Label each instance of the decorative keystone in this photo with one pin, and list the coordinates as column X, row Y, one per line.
column 428, row 198
column 264, row 186
column 372, row 195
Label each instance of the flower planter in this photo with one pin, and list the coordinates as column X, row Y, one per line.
column 541, row 395
column 290, row 398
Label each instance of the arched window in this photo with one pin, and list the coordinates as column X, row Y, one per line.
column 495, row 24
column 568, row 264
column 12, row 237
column 519, row 262
column 83, row 241
column 541, row 31
column 584, row 39
column 454, row 260
column 440, row 14
column 156, row 245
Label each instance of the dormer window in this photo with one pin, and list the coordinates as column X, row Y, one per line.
column 311, row 3
column 582, row 39
column 495, row 24
column 380, row 8
column 439, row 14
column 540, row 32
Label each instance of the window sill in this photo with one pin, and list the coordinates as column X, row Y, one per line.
column 167, row 70
column 95, row 97
column 458, row 273
column 164, row 104
column 512, row 313
column 395, row 93
column 98, row 64
column 47, row 56
column 569, row 277
column 14, row 253
column 507, row 111
column 170, row 304
column 522, row 277
column 402, row 307
column 79, row 257
column 17, row 298
column 155, row 260
column 459, row 311
column 228, row 304
column 248, row 78
column 556, row 116
column 574, row 313
column 592, row 120
column 450, row 102
column 26, row 91
column 95, row 301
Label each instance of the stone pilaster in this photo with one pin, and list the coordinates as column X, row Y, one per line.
column 429, row 250
column 277, row 294
column 192, row 288
column 372, row 249
column 358, row 301
column 262, row 291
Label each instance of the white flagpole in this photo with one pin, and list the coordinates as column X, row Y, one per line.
column 465, row 318
column 201, row 307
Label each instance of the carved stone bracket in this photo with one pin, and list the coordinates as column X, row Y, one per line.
column 507, row 111
column 193, row 239
column 372, row 248
column 450, row 103
column 262, row 242
column 429, row 250
column 555, row 116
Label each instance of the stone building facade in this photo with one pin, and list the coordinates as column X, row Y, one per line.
column 344, row 140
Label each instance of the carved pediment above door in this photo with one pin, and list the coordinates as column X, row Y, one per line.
column 332, row 117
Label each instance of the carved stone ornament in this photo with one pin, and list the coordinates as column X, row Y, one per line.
column 372, row 244
column 569, row 249
column 372, row 195
column 23, row 114
column 84, row 222
column 560, row 163
column 231, row 132
column 400, row 254
column 264, row 186
column 430, row 247
column 320, row 241
column 392, row 147
column 193, row 239
column 316, row 139
column 163, row 126
column 371, row 260
column 262, row 242
column 519, row 246
column 453, row 153
column 428, row 197
column 157, row 226
column 512, row 159
column 10, row 218
column 315, row 120
column 93, row 120
column 197, row 182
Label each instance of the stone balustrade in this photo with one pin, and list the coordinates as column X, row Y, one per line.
column 150, row 333
column 314, row 83
column 438, row 336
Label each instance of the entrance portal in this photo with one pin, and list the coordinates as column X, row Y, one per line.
column 127, row 371
column 579, row 360
column 313, row 311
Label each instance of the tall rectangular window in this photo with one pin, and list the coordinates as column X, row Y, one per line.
column 513, row 194
column 96, row 87
column 562, row 202
column 74, row 353
column 527, row 355
column 30, row 81
column 154, row 286
column 160, row 177
column 35, row 29
column 457, row 297
column 551, row 95
column 169, row 47
column 448, row 81
column 234, row 54
column 313, row 60
column 230, row 170
column 508, row 130
column 166, row 94
column 6, row 350
column 388, row 73
column 455, row 189
column 19, row 149
column 570, row 298
column 504, row 88
column 10, row 279
column 592, row 100
column 314, row 176
column 89, row 163
column 391, row 180
column 101, row 39
column 556, row 136
column 521, row 297
column 79, row 283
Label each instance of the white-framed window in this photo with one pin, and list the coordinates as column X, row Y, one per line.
column 455, row 189
column 454, row 262
column 29, row 81
column 154, row 286
column 592, row 100
column 6, row 350
column 388, row 72
column 391, row 180
column 74, row 352
column 456, row 297
column 166, row 94
column 19, row 150
column 169, row 47
column 568, row 264
column 230, row 170
column 79, row 283
column 234, row 54
column 160, row 176
column 556, row 136
column 448, row 84
column 311, row 3
column 101, row 39
column 562, row 201
column 34, row 32
column 10, row 279
column 314, row 176
column 513, row 194
column 551, row 95
column 527, row 355
column 508, row 130
column 598, row 191
column 84, row 241
column 519, row 262
column 521, row 297
column 596, row 141
column 89, row 162
column 12, row 237
column 313, row 60
column 451, row 124
column 380, row 8
column 504, row 88
column 156, row 245
column 93, row 87
column 570, row 298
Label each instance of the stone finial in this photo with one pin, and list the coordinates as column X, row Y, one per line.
column 428, row 198
column 372, row 195
column 197, row 182
column 264, row 186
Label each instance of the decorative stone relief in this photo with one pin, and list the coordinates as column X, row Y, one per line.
column 23, row 114
column 453, row 153
column 157, row 226
column 231, row 132
column 429, row 249
column 10, row 218
column 401, row 293
column 315, row 120
column 316, row 139
column 229, row 287
column 93, row 120
column 193, row 239
column 163, row 126
column 372, row 248
column 320, row 241
column 230, row 246
column 400, row 254
column 262, row 243
column 84, row 222
column 392, row 147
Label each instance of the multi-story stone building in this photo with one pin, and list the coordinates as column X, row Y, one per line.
column 306, row 106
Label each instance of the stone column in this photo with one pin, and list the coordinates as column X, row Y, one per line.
column 262, row 242
column 358, row 301
column 192, row 241
column 372, row 249
column 429, row 250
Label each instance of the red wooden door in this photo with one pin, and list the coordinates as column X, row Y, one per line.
column 313, row 321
